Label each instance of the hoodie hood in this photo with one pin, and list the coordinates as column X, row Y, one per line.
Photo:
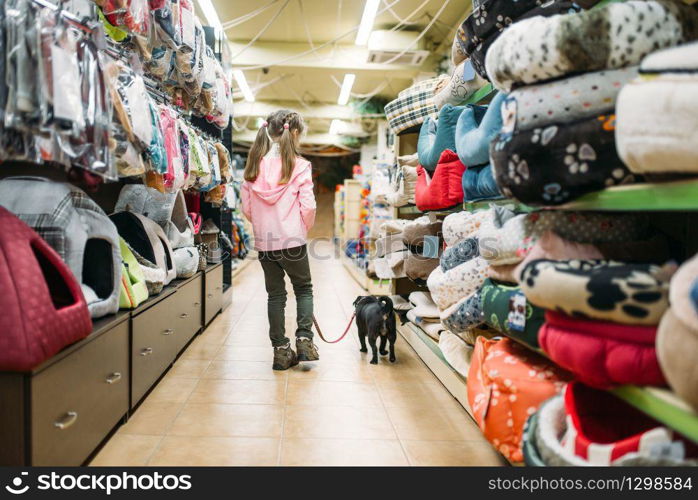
column 266, row 187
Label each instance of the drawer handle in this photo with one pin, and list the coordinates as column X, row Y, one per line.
column 210, row 295
column 197, row 304
column 184, row 315
column 66, row 420
column 219, row 288
column 147, row 351
column 169, row 331
column 114, row 378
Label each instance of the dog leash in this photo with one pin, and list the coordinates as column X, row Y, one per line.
column 317, row 327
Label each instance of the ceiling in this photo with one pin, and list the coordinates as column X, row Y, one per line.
column 297, row 59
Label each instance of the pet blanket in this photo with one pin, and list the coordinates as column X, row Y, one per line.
column 475, row 130
column 506, row 309
column 507, row 238
column 600, row 353
column 479, row 31
column 506, row 385
column 613, row 36
column 448, row 287
column 462, row 225
column 560, row 162
column 461, row 252
column 633, row 294
column 437, row 136
column 442, row 189
column 563, row 101
column 658, row 114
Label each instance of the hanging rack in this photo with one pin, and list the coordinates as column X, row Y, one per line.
column 70, row 18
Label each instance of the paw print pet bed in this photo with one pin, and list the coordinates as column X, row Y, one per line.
column 492, row 17
column 560, row 162
column 437, row 136
column 462, row 225
column 461, row 252
column 506, row 385
column 459, row 88
column 613, row 36
column 448, row 287
column 632, row 294
column 42, row 308
column 77, row 228
column 600, row 353
column 657, row 127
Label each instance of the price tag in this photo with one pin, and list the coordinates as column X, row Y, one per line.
column 468, row 71
column 431, row 247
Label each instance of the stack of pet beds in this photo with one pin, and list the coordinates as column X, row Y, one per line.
column 425, row 314
column 403, row 181
column 390, row 251
column 564, row 74
column 417, row 266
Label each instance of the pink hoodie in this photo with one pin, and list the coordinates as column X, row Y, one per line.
column 281, row 214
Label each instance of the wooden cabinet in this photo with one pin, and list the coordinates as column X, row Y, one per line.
column 213, row 292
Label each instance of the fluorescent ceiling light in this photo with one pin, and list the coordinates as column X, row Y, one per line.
column 337, row 127
column 347, row 84
column 210, row 14
column 367, row 20
column 242, row 83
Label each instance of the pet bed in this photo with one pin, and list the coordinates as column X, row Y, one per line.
column 437, row 136
column 43, row 309
column 460, row 253
column 458, row 88
column 462, row 225
column 479, row 184
column 412, row 106
column 613, row 36
column 442, row 189
column 464, row 315
column 600, row 353
column 134, row 289
column 418, row 267
column 448, row 287
column 476, row 129
column 414, row 231
column 456, row 352
column 633, row 294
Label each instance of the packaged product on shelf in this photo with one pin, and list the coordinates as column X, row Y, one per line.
column 165, row 17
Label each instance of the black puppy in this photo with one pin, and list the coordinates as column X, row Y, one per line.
column 375, row 318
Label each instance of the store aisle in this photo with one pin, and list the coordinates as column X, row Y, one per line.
column 221, row 404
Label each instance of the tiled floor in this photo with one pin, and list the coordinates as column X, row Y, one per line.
column 221, row 404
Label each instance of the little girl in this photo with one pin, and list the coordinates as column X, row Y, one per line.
column 278, row 199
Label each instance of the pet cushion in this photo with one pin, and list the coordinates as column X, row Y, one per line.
column 42, row 307
column 419, row 267
column 148, row 240
column 412, row 106
column 479, row 184
column 424, row 306
column 391, row 266
column 633, row 294
column 389, row 244
column 552, row 426
column 134, row 289
column 558, row 163
column 506, row 384
column 443, row 188
column 186, row 261
column 456, row 352
column 506, row 309
column 601, row 428
column 475, row 130
column 657, row 125
column 600, row 353
column 462, row 225
column 492, row 17
column 458, row 89
column 437, row 136
column 464, row 315
column 402, row 188
column 613, row 36
column 448, row 287
column 461, row 252
column 507, row 238
column 415, row 230
column 530, row 451
column 563, row 101
column 77, row 229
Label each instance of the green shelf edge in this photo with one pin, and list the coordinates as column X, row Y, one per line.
column 480, row 94
column 675, row 417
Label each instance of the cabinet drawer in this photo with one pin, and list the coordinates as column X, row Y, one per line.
column 153, row 347
column 189, row 309
column 213, row 293
column 79, row 399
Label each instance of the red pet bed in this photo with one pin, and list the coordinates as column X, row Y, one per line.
column 42, row 308
column 600, row 353
column 445, row 188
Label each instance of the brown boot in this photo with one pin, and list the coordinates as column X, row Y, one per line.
column 284, row 357
column 307, row 351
